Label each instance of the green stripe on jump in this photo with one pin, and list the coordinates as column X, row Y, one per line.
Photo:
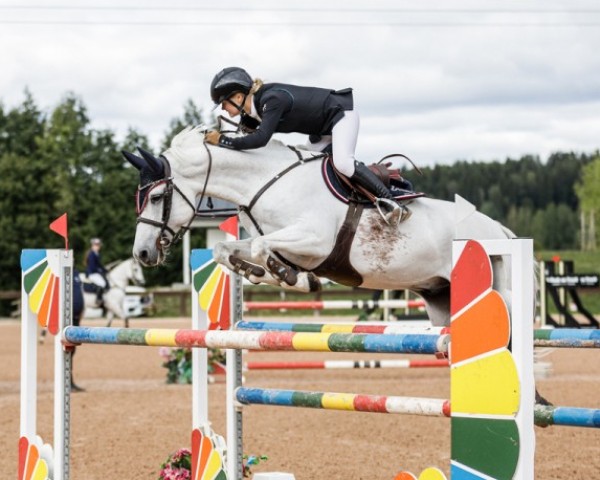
column 346, row 342
column 489, row 446
column 542, row 334
column 202, row 276
column 132, row 336
column 307, row 327
column 307, row 399
column 33, row 276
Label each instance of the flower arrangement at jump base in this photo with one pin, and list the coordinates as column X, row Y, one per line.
column 179, row 465
column 178, row 362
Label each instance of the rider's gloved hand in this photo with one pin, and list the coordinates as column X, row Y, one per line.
column 212, row 137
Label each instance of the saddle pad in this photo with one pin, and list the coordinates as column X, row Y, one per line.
column 343, row 193
column 89, row 287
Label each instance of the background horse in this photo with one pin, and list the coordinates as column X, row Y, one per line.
column 120, row 274
column 294, row 222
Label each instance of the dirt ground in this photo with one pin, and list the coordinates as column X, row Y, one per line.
column 128, row 420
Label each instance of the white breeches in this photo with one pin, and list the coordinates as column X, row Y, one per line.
column 343, row 137
column 97, row 279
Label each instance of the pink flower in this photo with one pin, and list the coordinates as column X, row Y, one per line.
column 164, row 352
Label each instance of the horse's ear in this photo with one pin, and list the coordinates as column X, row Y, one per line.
column 154, row 163
column 136, row 161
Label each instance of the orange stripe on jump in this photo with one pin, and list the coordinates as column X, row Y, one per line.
column 480, row 329
column 54, row 310
column 44, row 312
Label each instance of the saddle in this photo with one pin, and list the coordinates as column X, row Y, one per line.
column 342, row 188
column 337, row 265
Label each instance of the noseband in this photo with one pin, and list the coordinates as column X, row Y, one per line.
column 167, row 235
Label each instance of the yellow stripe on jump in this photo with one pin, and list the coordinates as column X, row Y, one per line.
column 311, row 341
column 338, row 401
column 158, row 336
column 37, row 294
column 41, row 470
column 332, row 328
column 486, row 386
column 207, row 292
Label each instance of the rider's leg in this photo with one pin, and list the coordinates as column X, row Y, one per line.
column 319, row 143
column 344, row 136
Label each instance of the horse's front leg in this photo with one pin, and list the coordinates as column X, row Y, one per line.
column 296, row 242
column 235, row 255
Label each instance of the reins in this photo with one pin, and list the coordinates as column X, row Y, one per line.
column 246, row 209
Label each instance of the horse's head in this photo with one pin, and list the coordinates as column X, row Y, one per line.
column 165, row 209
column 137, row 273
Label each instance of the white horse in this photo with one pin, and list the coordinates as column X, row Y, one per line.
column 120, row 274
column 294, row 222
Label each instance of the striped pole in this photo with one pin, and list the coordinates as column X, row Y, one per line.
column 344, row 401
column 566, row 416
column 333, row 304
column 288, row 341
column 567, row 338
column 558, row 338
column 431, row 407
column 385, row 329
column 346, row 364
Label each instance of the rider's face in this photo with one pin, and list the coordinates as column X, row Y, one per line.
column 228, row 104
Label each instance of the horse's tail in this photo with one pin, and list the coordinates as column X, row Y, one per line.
column 536, row 272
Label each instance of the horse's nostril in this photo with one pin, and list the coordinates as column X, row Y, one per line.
column 143, row 255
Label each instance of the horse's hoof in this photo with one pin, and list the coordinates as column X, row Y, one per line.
column 539, row 400
column 314, row 284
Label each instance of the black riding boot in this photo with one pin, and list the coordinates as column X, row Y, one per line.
column 371, row 182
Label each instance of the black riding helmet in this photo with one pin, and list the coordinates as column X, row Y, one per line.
column 228, row 81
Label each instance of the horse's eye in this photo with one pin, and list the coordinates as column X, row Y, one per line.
column 156, row 198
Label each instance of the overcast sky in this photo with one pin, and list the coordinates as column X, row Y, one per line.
column 437, row 80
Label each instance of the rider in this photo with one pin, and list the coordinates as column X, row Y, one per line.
column 327, row 116
column 94, row 270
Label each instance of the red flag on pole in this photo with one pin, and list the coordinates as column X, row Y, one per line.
column 230, row 226
column 60, row 226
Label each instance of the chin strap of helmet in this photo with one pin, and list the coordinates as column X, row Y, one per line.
column 240, row 108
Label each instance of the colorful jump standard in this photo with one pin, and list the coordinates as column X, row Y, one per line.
column 290, row 341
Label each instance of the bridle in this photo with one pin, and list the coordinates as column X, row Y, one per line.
column 167, row 236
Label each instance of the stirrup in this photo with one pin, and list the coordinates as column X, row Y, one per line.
column 389, row 210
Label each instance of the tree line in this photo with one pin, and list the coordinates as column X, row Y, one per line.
column 55, row 161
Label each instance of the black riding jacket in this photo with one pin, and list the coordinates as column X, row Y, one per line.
column 289, row 108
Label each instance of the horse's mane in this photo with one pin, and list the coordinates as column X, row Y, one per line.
column 193, row 137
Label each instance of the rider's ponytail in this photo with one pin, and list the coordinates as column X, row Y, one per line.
column 256, row 86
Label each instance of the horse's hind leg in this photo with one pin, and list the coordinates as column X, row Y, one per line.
column 437, row 304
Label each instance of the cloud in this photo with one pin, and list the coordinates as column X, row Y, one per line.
column 441, row 86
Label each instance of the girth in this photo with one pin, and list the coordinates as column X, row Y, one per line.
column 337, row 266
